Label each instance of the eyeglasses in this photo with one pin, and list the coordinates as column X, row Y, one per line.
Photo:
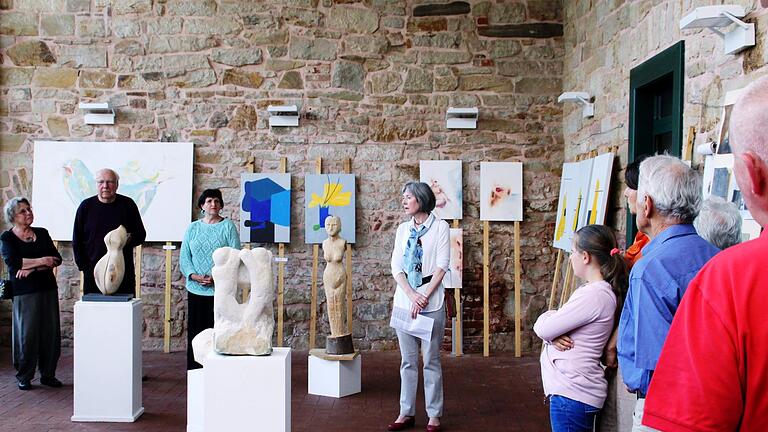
column 108, row 182
column 25, row 211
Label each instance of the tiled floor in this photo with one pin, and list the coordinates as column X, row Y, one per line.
column 499, row 393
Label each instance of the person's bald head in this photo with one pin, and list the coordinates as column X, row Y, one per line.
column 107, row 182
column 748, row 129
column 748, row 135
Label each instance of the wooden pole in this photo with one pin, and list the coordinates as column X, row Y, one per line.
column 348, row 170
column 137, row 265
column 486, row 289
column 457, row 298
column 518, row 326
column 315, row 257
column 82, row 284
column 566, row 283
column 250, row 166
column 688, row 147
column 169, row 247
column 55, row 269
column 281, row 274
column 555, row 279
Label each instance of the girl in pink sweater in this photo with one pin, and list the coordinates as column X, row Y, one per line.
column 575, row 335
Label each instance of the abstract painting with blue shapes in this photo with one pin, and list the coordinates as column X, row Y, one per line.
column 329, row 195
column 265, row 208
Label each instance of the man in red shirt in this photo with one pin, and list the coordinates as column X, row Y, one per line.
column 713, row 371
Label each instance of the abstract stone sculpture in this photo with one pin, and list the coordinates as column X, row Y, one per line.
column 239, row 329
column 110, row 269
column 334, row 280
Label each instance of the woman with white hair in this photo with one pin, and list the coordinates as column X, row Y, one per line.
column 420, row 259
column 719, row 222
column 30, row 255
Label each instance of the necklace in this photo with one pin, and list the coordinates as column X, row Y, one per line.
column 27, row 238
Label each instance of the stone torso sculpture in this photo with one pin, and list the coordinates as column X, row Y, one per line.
column 239, row 329
column 334, row 280
column 110, row 269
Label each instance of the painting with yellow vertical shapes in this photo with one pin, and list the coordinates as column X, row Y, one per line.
column 572, row 204
column 600, row 180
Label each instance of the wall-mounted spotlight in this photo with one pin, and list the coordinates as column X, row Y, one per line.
column 712, row 17
column 581, row 97
column 98, row 113
column 461, row 118
column 283, row 115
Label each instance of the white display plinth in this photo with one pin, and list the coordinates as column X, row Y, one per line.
column 107, row 370
column 334, row 377
column 195, row 407
column 248, row 393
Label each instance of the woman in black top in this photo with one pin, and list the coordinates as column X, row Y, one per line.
column 30, row 255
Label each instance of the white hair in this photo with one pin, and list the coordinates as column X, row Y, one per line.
column 672, row 185
column 719, row 222
column 108, row 170
column 749, row 120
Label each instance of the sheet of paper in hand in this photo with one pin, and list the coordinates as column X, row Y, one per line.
column 421, row 327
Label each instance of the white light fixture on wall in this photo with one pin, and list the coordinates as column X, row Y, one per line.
column 98, row 113
column 712, row 17
column 283, row 115
column 461, row 118
column 581, row 97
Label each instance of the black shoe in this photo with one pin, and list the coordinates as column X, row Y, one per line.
column 50, row 382
column 25, row 385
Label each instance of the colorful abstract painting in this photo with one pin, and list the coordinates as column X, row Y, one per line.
column 156, row 175
column 571, row 213
column 329, row 195
column 265, row 208
column 501, row 191
column 600, row 180
column 444, row 177
column 453, row 279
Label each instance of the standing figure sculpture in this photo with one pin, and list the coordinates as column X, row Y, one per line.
column 334, row 280
column 110, row 269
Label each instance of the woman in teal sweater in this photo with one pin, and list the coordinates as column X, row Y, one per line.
column 196, row 261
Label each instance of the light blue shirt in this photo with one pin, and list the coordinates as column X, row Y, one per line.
column 196, row 257
column 656, row 287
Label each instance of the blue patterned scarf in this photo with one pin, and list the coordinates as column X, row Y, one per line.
column 414, row 253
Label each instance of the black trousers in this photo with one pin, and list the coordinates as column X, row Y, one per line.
column 36, row 334
column 199, row 318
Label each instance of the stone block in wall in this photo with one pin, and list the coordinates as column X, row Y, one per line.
column 40, row 5
column 82, row 56
column 91, row 27
column 506, row 13
column 445, row 57
column 485, row 83
column 10, row 77
column 75, row 6
column 18, row 24
column 349, row 75
column 242, row 78
column 237, row 57
column 312, row 49
column 57, row 25
column 57, row 127
column 353, row 19
column 164, row 44
column 123, row 7
column 55, row 77
column 191, row 7
column 31, row 53
column 301, row 17
column 418, row 80
column 385, row 82
column 453, row 8
column 367, row 44
column 11, row 143
column 212, row 26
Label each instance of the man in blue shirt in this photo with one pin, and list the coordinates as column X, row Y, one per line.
column 668, row 200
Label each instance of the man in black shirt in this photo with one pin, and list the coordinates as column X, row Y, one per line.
column 99, row 215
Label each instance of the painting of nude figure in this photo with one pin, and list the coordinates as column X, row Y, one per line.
column 501, row 191
column 444, row 177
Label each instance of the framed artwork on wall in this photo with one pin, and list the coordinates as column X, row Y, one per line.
column 265, row 208
column 329, row 195
column 599, row 184
column 156, row 175
column 571, row 206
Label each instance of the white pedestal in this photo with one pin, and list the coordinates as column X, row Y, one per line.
column 334, row 378
column 195, row 403
column 248, row 393
column 107, row 375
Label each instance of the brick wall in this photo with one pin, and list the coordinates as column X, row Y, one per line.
column 373, row 80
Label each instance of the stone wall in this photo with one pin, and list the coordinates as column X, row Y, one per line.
column 604, row 40
column 373, row 80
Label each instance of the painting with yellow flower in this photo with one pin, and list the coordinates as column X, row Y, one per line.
column 329, row 195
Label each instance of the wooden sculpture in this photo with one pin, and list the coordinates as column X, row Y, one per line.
column 110, row 269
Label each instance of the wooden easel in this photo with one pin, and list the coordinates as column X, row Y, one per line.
column 518, row 326
column 315, row 258
column 457, row 298
column 169, row 247
column 137, row 268
column 348, row 170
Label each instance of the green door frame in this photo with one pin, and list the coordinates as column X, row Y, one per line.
column 670, row 61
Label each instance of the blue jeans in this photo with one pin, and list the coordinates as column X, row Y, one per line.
column 568, row 415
